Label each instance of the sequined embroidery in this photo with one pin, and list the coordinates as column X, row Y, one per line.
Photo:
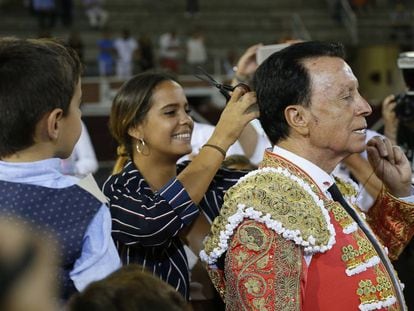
column 348, row 190
column 358, row 259
column 346, row 222
column 273, row 161
column 217, row 278
column 274, row 197
column 376, row 295
column 262, row 270
column 399, row 225
column 251, row 286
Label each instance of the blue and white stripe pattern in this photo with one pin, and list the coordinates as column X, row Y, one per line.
column 145, row 224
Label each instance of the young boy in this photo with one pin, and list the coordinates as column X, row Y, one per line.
column 40, row 122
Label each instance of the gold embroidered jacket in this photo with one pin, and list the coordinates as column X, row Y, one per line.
column 289, row 247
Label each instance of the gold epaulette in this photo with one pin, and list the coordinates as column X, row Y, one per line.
column 282, row 201
column 348, row 188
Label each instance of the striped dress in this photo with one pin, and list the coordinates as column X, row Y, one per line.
column 145, row 224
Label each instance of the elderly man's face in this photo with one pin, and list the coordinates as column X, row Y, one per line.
column 337, row 111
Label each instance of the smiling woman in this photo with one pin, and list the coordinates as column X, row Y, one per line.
column 153, row 201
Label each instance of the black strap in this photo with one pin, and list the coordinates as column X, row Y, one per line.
column 337, row 196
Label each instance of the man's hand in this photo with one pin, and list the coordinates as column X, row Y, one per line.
column 390, row 165
column 390, row 118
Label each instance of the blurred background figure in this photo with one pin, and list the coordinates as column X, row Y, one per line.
column 359, row 6
column 170, row 48
column 28, row 267
column 75, row 42
column 196, row 50
column 106, row 54
column 400, row 18
column 145, row 53
column 66, row 12
column 82, row 161
column 128, row 289
column 398, row 116
column 192, row 8
column 399, row 127
column 46, row 13
column 126, row 48
column 229, row 62
column 97, row 16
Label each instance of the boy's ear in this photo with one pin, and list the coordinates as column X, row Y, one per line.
column 53, row 123
column 297, row 118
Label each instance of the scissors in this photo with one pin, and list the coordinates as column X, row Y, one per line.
column 223, row 88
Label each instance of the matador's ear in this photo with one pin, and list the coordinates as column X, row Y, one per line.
column 297, row 117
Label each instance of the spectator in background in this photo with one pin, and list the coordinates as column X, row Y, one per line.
column 401, row 29
column 82, row 161
column 28, row 268
column 97, row 16
column 75, row 42
column 66, row 12
column 46, row 13
column 192, row 8
column 196, row 50
column 126, row 48
column 229, row 63
column 361, row 6
column 128, row 289
column 146, row 53
column 399, row 128
column 106, row 54
column 170, row 48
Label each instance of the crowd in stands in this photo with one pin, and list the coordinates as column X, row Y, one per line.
column 121, row 53
column 174, row 50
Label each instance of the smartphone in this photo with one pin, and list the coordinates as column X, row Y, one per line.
column 265, row 51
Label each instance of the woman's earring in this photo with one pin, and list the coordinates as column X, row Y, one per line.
column 140, row 145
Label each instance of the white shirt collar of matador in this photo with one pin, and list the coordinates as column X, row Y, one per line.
column 321, row 178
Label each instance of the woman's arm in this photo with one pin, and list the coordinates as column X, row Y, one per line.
column 364, row 173
column 240, row 110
